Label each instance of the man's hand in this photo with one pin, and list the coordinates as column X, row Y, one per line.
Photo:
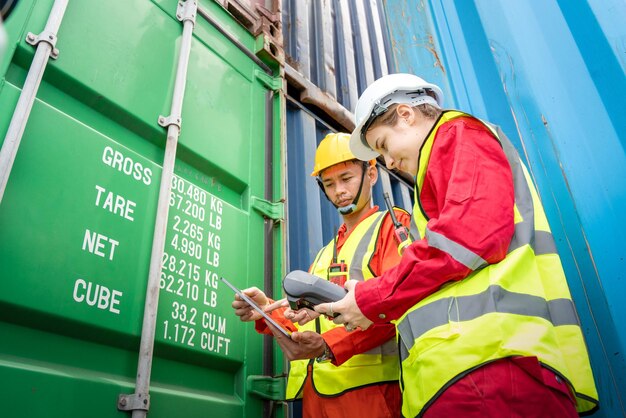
column 301, row 345
column 281, row 303
column 244, row 311
column 350, row 314
column 301, row 316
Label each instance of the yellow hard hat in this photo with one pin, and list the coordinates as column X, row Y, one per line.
column 334, row 149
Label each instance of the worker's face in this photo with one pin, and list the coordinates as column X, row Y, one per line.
column 400, row 144
column 341, row 183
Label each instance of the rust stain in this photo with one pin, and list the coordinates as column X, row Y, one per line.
column 437, row 60
column 431, row 48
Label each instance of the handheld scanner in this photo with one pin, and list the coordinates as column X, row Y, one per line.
column 305, row 290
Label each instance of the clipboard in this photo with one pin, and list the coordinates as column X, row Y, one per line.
column 257, row 308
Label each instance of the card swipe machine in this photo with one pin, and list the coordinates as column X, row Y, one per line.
column 305, row 290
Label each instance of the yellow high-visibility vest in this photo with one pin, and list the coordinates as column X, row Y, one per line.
column 378, row 365
column 520, row 306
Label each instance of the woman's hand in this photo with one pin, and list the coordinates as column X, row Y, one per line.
column 350, row 314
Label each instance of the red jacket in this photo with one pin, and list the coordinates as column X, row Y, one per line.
column 468, row 196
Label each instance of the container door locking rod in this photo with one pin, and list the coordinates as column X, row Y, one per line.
column 45, row 43
column 139, row 402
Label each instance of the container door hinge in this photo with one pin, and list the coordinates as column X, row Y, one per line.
column 267, row 387
column 272, row 210
column 133, row 402
column 272, row 83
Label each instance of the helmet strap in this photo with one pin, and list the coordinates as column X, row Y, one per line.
column 318, row 180
column 346, row 210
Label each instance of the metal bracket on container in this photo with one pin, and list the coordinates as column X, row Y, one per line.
column 169, row 120
column 46, row 36
column 272, row 210
column 266, row 387
column 186, row 10
column 272, row 83
column 133, row 402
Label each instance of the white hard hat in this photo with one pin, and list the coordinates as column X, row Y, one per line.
column 382, row 93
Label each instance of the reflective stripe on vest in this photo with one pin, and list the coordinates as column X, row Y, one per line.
column 377, row 365
column 493, row 313
column 415, row 233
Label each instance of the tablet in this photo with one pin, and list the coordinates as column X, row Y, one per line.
column 257, row 308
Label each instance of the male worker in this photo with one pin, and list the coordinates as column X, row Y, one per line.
column 486, row 324
column 339, row 373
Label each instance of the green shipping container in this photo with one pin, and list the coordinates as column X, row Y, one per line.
column 78, row 214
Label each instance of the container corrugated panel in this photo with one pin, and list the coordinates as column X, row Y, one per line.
column 312, row 220
column 338, row 47
column 552, row 74
column 78, row 213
